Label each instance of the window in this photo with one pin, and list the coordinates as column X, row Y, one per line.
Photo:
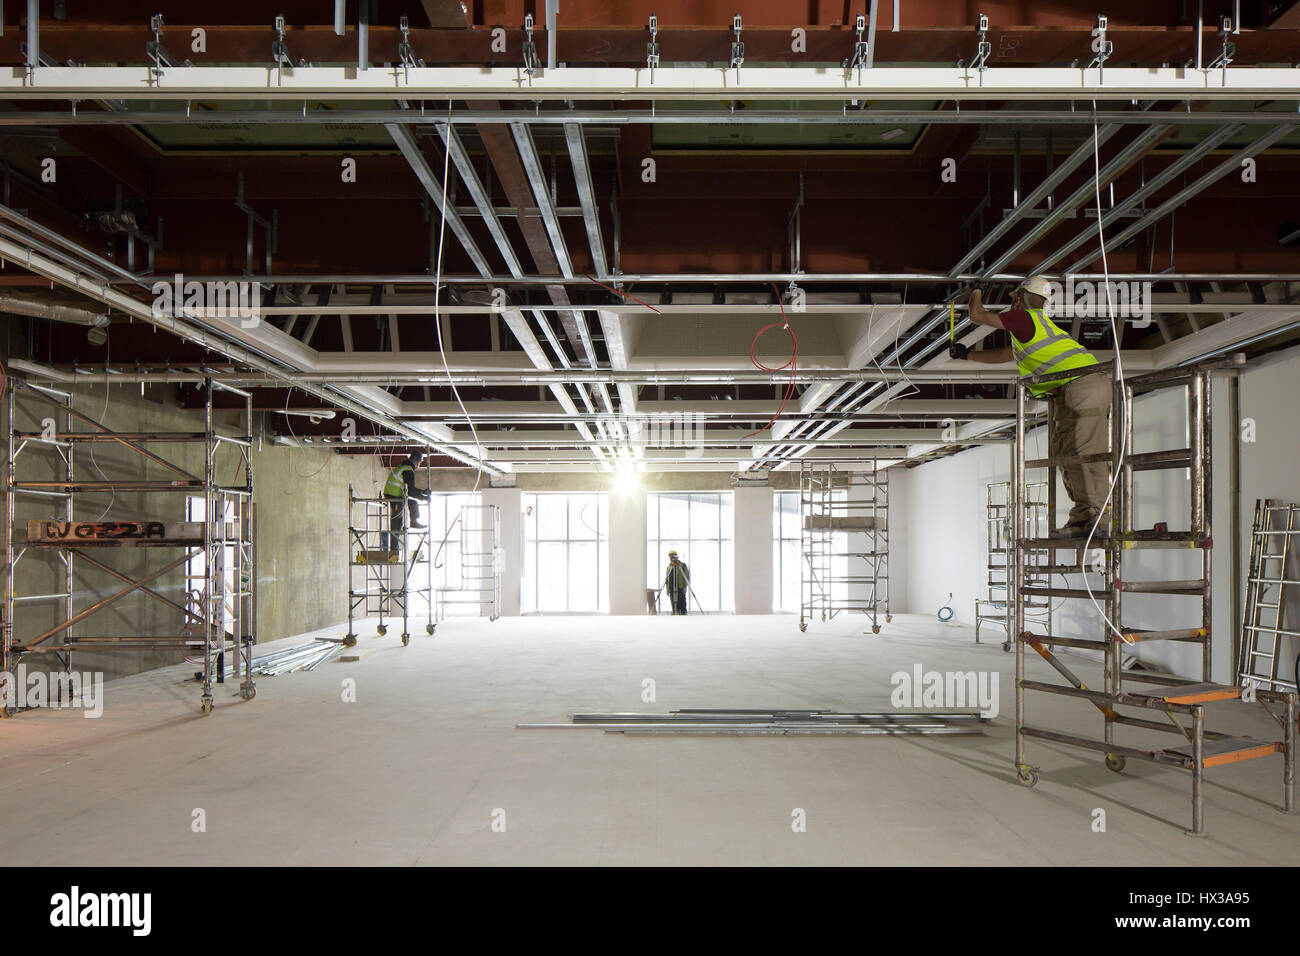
column 698, row 526
column 566, row 553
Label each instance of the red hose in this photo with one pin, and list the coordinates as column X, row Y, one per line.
column 791, row 363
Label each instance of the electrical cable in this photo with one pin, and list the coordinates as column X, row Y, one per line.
column 437, row 299
column 622, row 295
column 1124, row 410
column 103, row 415
column 329, row 458
column 792, row 363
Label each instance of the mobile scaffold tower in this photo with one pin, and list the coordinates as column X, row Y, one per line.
column 995, row 608
column 44, row 471
column 844, row 539
column 474, row 564
column 383, row 575
column 1104, row 578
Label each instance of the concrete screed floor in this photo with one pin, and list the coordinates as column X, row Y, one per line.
column 413, row 771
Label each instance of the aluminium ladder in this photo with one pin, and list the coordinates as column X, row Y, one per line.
column 1271, row 598
column 1100, row 566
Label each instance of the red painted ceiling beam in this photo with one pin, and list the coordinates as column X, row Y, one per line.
column 621, row 45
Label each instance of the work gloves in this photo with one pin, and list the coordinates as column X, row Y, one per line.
column 958, row 351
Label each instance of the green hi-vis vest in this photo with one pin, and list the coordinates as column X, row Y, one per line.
column 677, row 578
column 395, row 486
column 1050, row 350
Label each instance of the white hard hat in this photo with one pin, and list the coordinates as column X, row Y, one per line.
column 1036, row 285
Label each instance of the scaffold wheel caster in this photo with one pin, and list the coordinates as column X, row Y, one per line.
column 382, row 630
column 875, row 628
column 1006, row 646
column 428, row 628
column 1115, row 763
column 889, row 619
column 205, row 706
column 350, row 640
column 1027, row 777
column 247, row 690
column 492, row 617
column 802, row 627
column 406, row 638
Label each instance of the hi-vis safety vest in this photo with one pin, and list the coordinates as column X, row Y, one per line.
column 1050, row 350
column 395, row 486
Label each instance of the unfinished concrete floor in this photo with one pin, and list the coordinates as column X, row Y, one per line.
column 414, row 771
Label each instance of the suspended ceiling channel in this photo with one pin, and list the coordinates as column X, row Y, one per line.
column 514, row 319
column 1106, row 114
column 76, row 278
column 432, row 84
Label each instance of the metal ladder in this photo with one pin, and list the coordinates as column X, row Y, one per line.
column 1273, row 535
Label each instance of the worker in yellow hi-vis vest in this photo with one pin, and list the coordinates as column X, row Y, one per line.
column 1080, row 406
column 401, row 492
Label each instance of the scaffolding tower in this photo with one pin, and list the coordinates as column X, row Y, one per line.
column 477, row 581
column 994, row 607
column 1100, row 565
column 215, row 553
column 844, row 540
column 382, row 577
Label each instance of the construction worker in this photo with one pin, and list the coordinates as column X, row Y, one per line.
column 402, row 494
column 1080, row 406
column 677, row 582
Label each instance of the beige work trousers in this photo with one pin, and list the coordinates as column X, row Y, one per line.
column 1080, row 426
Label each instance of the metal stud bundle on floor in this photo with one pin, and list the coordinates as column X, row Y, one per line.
column 844, row 540
column 1099, row 562
column 219, row 615
column 780, row 723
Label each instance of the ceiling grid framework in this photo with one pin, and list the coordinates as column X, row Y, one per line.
column 576, row 286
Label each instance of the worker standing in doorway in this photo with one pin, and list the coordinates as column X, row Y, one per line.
column 1080, row 406
column 677, row 582
column 402, row 494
